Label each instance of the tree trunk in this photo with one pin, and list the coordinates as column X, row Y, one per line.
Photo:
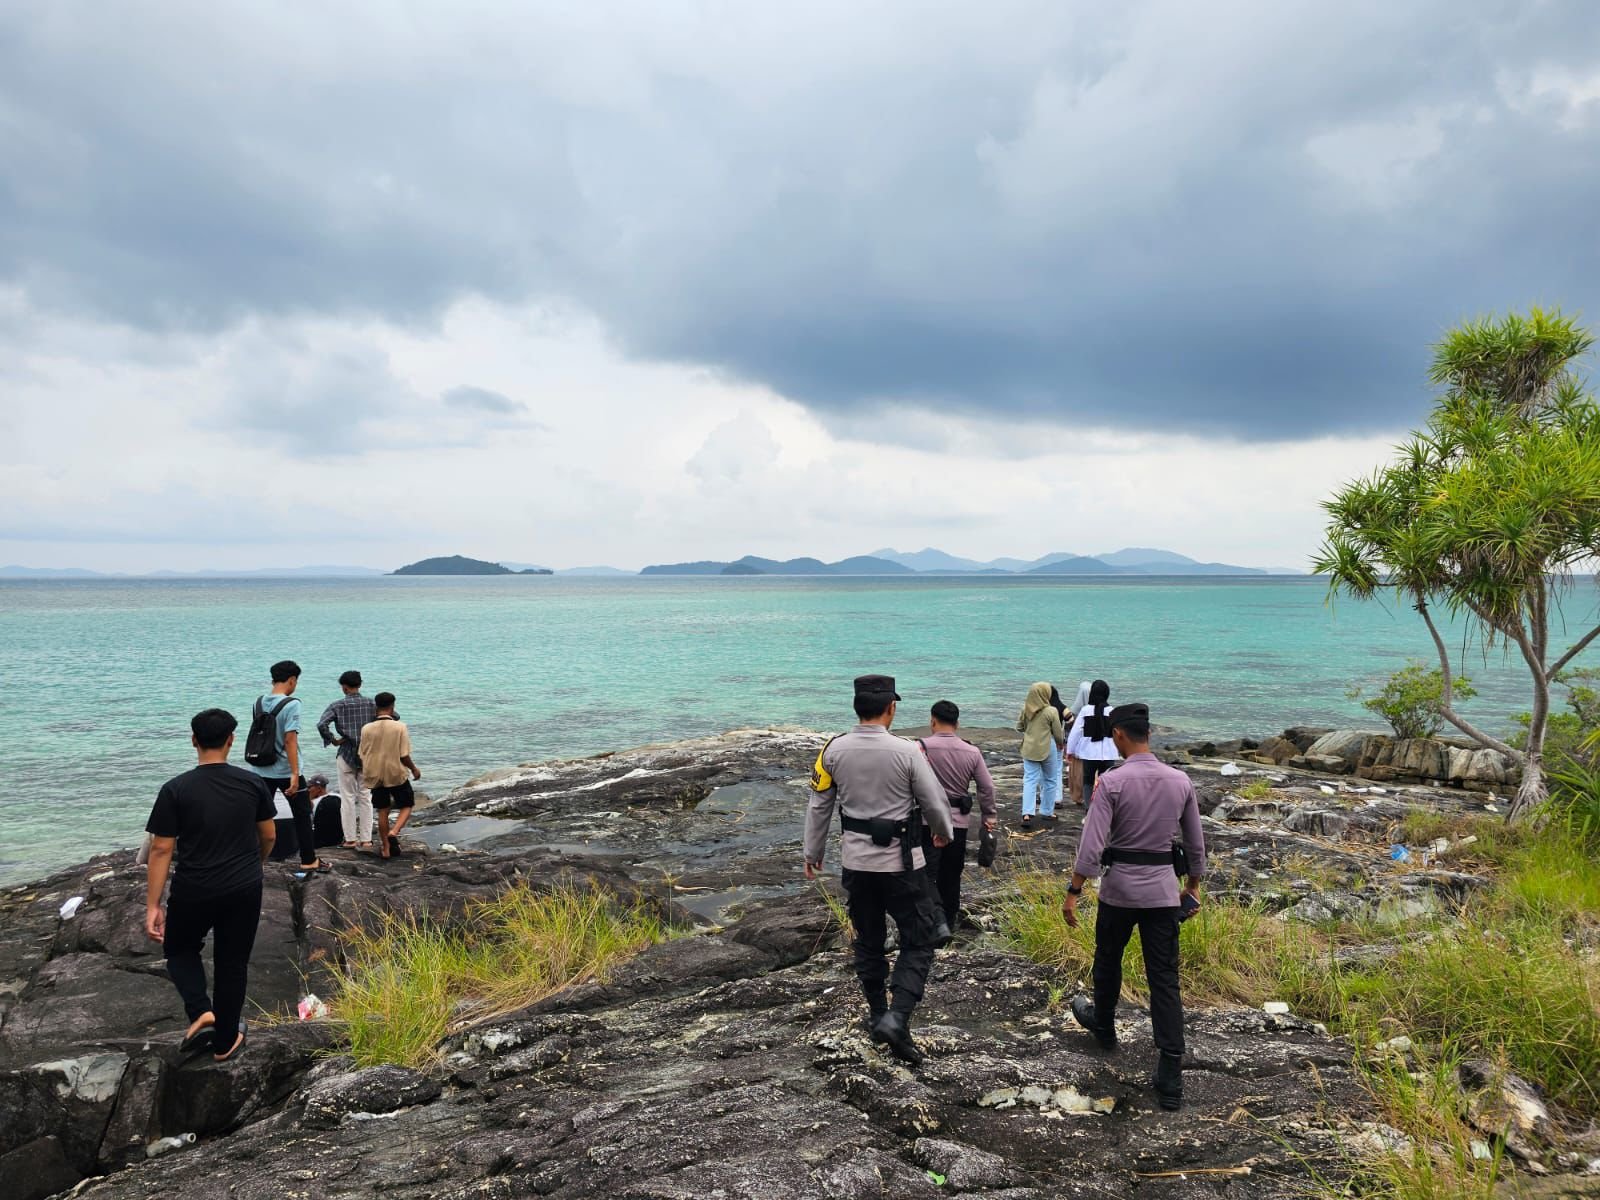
column 1532, row 792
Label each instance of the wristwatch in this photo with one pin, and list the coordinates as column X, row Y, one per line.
column 1074, row 891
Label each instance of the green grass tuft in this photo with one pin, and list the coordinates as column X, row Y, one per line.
column 411, row 982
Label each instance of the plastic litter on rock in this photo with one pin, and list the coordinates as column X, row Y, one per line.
column 71, row 907
column 176, row 1142
column 1275, row 1008
column 311, row 1008
column 1229, row 768
column 1399, row 854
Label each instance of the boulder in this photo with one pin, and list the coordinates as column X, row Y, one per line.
column 965, row 1168
column 1321, row 822
column 1304, row 736
column 1423, row 758
column 1354, row 746
column 379, row 1089
column 1506, row 1106
column 1326, row 764
column 1276, row 750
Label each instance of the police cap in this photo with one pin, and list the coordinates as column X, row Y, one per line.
column 1128, row 714
column 880, row 687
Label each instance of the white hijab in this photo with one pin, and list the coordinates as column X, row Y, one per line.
column 1081, row 698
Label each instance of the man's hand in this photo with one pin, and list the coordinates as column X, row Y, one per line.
column 940, row 840
column 989, row 823
column 415, row 774
column 155, row 924
column 813, row 869
column 1069, row 910
column 293, row 788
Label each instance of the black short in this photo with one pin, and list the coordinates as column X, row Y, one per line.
column 397, row 796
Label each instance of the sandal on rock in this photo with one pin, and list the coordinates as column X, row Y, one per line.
column 200, row 1039
column 233, row 1051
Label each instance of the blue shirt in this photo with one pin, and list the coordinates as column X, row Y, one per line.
column 287, row 711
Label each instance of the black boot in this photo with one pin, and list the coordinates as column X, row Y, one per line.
column 877, row 1005
column 941, row 930
column 1168, row 1081
column 1083, row 1012
column 894, row 1029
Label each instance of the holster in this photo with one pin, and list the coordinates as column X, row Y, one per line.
column 963, row 803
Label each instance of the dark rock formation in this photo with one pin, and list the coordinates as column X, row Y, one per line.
column 727, row 1063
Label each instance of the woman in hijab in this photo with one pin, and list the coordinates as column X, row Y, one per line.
column 1042, row 735
column 1090, row 741
column 1075, row 766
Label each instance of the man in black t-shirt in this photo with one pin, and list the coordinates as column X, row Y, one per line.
column 220, row 820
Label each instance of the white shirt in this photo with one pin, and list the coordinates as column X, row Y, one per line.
column 1079, row 746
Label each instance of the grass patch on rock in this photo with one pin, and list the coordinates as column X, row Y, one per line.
column 410, row 982
column 1512, row 977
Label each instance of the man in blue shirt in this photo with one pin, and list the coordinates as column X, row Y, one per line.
column 283, row 773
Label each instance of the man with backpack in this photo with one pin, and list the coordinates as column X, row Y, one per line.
column 272, row 751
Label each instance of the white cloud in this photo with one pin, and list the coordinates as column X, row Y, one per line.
column 121, row 463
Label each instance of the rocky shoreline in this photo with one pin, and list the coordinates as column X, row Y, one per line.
column 725, row 1063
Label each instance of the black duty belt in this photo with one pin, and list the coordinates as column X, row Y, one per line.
column 1139, row 858
column 1177, row 858
column 883, row 832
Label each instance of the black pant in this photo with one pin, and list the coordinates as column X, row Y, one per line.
column 300, row 808
column 231, row 920
column 904, row 895
column 1158, row 936
column 944, row 870
column 1092, row 769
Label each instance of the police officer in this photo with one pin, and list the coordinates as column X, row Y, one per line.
column 1137, row 811
column 879, row 781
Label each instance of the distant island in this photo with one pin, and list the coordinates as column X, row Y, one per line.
column 457, row 564
column 1129, row 561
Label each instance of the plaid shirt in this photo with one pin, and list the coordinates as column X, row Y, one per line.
column 346, row 716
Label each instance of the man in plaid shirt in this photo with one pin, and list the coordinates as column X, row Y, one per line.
column 341, row 726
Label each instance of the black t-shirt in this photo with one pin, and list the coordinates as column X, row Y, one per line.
column 212, row 811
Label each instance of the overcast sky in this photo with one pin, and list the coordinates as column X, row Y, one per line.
column 636, row 282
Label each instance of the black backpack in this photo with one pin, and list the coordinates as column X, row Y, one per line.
column 261, row 744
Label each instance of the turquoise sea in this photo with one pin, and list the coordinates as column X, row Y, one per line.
column 99, row 678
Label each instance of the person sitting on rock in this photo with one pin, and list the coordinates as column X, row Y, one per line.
column 1128, row 835
column 959, row 765
column 219, row 819
column 877, row 781
column 385, row 761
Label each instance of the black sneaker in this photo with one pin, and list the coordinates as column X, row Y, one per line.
column 1083, row 1014
column 893, row 1029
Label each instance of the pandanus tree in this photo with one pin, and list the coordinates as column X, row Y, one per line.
column 1491, row 514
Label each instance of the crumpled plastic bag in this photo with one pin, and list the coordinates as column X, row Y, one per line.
column 311, row 1008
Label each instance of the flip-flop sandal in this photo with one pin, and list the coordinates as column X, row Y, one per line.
column 236, row 1050
column 394, row 848
column 201, row 1039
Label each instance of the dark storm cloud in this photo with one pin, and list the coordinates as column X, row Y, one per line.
column 1240, row 218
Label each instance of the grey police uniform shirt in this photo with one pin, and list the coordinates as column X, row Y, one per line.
column 871, row 773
